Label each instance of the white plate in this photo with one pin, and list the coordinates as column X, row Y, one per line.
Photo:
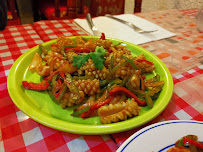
column 161, row 136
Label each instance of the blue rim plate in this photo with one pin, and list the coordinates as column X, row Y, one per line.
column 161, row 136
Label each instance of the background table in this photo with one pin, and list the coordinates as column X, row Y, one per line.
column 182, row 54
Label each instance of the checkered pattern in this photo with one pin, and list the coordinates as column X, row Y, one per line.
column 177, row 109
column 14, row 41
column 49, row 30
column 17, row 131
column 20, row 133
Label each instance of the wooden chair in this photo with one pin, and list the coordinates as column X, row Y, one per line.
column 69, row 9
column 62, row 9
column 12, row 14
column 138, row 4
column 102, row 7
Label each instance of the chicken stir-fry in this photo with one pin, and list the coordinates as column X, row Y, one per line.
column 102, row 78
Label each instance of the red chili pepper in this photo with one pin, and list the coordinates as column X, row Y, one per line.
column 88, row 114
column 128, row 93
column 58, row 93
column 43, row 85
column 62, row 74
column 61, row 92
column 51, row 75
column 59, row 82
column 109, row 50
column 94, row 107
column 143, row 60
column 100, row 104
column 80, row 50
column 54, row 45
column 102, row 36
column 187, row 140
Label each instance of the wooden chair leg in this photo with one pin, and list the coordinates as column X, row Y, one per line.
column 137, row 7
column 13, row 9
column 72, row 8
column 57, row 10
column 81, row 4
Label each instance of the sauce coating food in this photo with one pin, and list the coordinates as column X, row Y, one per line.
column 187, row 143
column 102, row 78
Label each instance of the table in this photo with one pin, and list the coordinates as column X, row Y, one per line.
column 182, row 54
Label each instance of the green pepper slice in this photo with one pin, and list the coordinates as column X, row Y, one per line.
column 79, row 112
column 148, row 100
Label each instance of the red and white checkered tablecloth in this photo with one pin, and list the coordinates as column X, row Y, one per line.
column 14, row 41
column 49, row 30
column 20, row 133
column 17, row 131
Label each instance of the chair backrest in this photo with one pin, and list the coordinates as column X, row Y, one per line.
column 102, row 7
column 138, row 4
column 12, row 8
column 74, row 8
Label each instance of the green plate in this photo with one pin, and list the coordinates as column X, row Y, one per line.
column 40, row 107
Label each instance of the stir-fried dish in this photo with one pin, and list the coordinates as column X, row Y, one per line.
column 187, row 143
column 102, row 78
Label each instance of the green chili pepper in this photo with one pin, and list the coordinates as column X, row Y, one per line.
column 52, row 97
column 53, row 80
column 79, row 112
column 148, row 100
column 118, row 44
column 71, row 45
column 139, row 93
column 180, row 143
column 73, row 88
column 155, row 96
column 130, row 61
column 111, row 63
column 157, row 77
column 63, row 51
column 62, row 92
column 43, row 50
column 104, row 82
column 111, row 73
column 111, row 83
column 101, row 92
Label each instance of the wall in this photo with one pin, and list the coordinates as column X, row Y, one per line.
column 154, row 5
column 129, row 6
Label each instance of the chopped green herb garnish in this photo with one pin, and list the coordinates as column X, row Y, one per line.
column 97, row 57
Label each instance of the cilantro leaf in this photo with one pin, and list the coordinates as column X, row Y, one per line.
column 98, row 57
column 100, row 50
column 80, row 60
column 98, row 60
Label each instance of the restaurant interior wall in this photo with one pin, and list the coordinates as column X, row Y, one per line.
column 155, row 5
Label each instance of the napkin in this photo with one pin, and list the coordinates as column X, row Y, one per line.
column 115, row 29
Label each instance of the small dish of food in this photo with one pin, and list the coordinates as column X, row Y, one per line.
column 167, row 136
column 90, row 85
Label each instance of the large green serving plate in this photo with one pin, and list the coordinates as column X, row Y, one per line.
column 40, row 107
